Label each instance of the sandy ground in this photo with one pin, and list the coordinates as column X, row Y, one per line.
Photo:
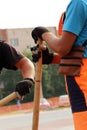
column 60, row 119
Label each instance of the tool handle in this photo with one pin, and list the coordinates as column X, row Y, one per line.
column 38, row 81
column 8, row 98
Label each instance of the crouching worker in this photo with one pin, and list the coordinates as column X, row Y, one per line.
column 12, row 59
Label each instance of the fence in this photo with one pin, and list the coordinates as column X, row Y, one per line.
column 52, row 103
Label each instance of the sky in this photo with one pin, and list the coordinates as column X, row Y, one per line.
column 30, row 13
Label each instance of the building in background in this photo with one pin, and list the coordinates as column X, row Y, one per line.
column 20, row 38
column 3, row 34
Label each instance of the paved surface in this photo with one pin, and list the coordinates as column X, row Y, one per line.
column 60, row 119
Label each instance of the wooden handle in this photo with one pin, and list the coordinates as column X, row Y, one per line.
column 38, row 80
column 7, row 99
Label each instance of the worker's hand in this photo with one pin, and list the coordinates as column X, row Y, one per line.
column 23, row 87
column 36, row 56
column 46, row 56
column 37, row 33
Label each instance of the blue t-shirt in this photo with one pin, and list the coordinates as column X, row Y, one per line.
column 76, row 21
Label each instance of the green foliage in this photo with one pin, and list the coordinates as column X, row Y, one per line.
column 9, row 79
column 53, row 85
column 28, row 54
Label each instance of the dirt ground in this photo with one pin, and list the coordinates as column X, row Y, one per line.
column 60, row 119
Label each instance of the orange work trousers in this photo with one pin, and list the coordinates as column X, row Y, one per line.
column 77, row 90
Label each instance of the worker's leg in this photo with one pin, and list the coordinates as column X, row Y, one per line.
column 77, row 89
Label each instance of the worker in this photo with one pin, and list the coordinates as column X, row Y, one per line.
column 12, row 59
column 70, row 52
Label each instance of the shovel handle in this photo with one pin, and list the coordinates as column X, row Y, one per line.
column 8, row 98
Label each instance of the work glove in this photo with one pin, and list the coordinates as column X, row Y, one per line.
column 47, row 57
column 37, row 33
column 23, row 87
